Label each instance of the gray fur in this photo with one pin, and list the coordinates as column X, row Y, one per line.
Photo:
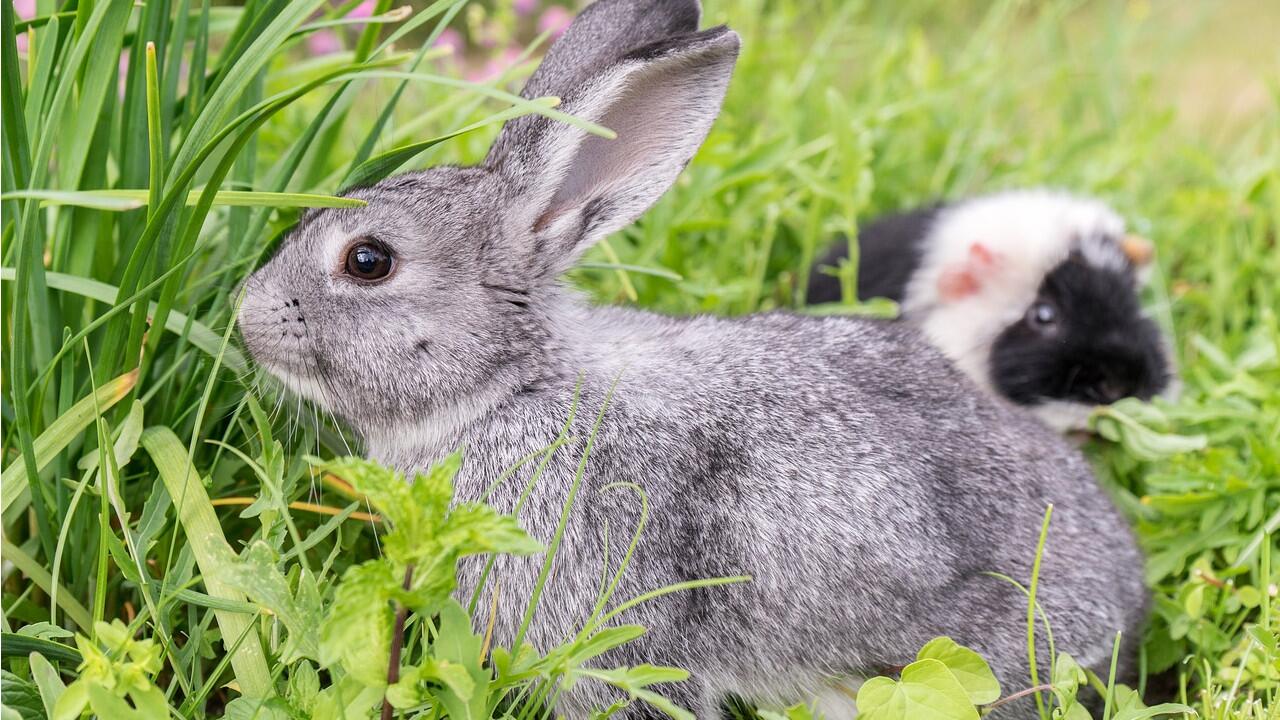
column 844, row 464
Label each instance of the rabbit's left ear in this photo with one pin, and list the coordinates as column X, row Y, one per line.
column 566, row 189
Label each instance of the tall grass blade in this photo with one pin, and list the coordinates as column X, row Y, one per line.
column 212, row 553
column 56, row 438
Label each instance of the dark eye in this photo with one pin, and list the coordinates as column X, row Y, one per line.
column 368, row 261
column 1042, row 316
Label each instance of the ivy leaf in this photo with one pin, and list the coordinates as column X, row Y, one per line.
column 968, row 667
column 927, row 690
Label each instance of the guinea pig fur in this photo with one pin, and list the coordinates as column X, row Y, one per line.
column 1032, row 293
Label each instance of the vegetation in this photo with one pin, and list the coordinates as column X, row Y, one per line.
column 170, row 544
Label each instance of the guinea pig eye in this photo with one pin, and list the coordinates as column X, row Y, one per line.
column 368, row 260
column 1042, row 316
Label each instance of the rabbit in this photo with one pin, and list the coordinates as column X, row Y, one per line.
column 1033, row 293
column 843, row 464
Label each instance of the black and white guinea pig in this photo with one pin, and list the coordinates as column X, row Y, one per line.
column 1033, row 293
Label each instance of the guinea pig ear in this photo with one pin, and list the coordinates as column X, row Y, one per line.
column 566, row 189
column 968, row 276
column 1140, row 252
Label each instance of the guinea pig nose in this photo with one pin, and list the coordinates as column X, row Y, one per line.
column 1109, row 390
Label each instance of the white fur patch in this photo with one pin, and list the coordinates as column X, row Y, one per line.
column 1024, row 234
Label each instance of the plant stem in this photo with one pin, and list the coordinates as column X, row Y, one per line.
column 1015, row 696
column 397, row 641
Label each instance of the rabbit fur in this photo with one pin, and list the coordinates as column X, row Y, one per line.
column 862, row 482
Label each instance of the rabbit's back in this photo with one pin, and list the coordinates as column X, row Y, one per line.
column 843, row 464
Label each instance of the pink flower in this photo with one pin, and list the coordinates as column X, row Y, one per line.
column 556, row 20
column 323, row 42
column 451, row 39
column 363, row 10
column 25, row 9
column 123, row 80
column 525, row 7
column 495, row 66
column 21, row 42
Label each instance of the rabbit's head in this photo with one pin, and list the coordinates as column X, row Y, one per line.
column 439, row 293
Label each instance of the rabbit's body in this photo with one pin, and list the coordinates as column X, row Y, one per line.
column 851, row 471
column 758, row 459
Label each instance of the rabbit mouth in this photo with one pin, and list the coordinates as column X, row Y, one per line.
column 301, row 380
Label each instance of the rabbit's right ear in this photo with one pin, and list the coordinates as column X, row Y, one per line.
column 567, row 189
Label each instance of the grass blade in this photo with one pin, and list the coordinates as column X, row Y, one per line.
column 212, row 553
column 121, row 200
column 56, row 437
column 15, row 645
column 380, row 166
column 177, row 323
column 36, row 573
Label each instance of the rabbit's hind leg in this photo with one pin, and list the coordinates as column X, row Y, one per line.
column 989, row 615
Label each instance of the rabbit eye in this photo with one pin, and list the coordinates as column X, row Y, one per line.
column 368, row 261
column 1042, row 316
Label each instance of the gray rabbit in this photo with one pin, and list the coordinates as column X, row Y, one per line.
column 864, row 484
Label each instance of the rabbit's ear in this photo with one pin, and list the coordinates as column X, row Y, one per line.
column 603, row 33
column 567, row 189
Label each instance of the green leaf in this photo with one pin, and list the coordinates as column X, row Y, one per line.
column 968, row 667
column 421, row 684
column 457, row 643
column 257, row 576
column 602, row 642
column 39, row 575
column 212, row 554
column 177, row 323
column 357, row 631
column 243, row 708
column 17, row 645
column 47, row 680
column 1120, row 423
column 927, row 690
column 21, row 696
column 425, row 532
column 380, row 166
column 1068, row 676
column 636, row 682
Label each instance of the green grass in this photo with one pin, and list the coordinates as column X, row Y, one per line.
column 121, row 504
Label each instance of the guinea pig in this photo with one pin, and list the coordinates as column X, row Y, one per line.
column 1032, row 293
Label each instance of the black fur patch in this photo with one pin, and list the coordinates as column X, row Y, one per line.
column 1100, row 348
column 890, row 247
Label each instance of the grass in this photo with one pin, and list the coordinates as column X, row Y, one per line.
column 129, row 436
